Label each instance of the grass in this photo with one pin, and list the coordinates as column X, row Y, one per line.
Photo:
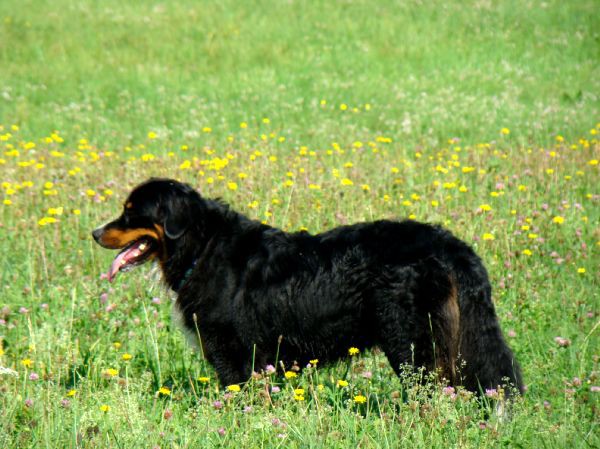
column 482, row 116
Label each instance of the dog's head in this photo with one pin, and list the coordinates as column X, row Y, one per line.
column 155, row 215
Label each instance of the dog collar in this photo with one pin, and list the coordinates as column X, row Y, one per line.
column 185, row 277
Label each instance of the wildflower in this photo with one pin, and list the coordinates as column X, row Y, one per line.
column 168, row 414
column 488, row 236
column 562, row 342
column 34, row 376
column 275, row 389
column 109, row 372
column 65, row 403
column 234, row 388
column 28, row 403
column 342, row 383
column 232, row 186
column 217, row 405
column 126, row 357
column 485, row 207
column 581, row 270
column 353, row 351
column 595, row 389
column 449, row 391
column 203, row 379
column 492, row 393
column 505, row 131
column 360, row 399
column 313, row 362
column 526, row 252
column 71, row 393
column 164, row 391
column 290, row 374
column 152, row 135
column 347, row 182
column 27, row 363
column 105, row 408
column 243, row 125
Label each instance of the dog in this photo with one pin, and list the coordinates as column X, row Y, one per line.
column 257, row 295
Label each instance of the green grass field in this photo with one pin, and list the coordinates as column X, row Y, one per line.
column 482, row 116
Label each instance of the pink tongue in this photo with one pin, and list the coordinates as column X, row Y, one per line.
column 122, row 259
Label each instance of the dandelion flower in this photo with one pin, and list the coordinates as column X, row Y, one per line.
column 342, row 383
column 164, row 391
column 353, row 351
column 360, row 399
column 234, row 388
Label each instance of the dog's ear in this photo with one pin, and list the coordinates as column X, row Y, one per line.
column 176, row 224
column 177, row 215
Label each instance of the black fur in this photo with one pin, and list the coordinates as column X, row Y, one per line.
column 413, row 289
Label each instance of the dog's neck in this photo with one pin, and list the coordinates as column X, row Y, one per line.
column 185, row 252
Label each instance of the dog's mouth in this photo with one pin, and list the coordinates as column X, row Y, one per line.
column 136, row 253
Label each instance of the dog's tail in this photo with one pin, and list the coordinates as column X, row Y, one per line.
column 488, row 361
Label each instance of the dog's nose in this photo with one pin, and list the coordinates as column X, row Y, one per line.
column 97, row 233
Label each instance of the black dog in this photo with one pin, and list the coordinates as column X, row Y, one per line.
column 256, row 293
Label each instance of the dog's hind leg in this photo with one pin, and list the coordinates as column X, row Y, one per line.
column 418, row 318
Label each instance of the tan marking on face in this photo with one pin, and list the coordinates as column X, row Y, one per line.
column 117, row 238
column 128, row 205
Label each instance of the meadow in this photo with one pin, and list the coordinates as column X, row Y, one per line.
column 481, row 116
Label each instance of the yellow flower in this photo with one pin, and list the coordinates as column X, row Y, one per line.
column 488, row 236
column 126, row 356
column 232, row 186
column 298, row 397
column 72, row 392
column 152, row 135
column 27, row 363
column 485, row 207
column 342, row 383
column 233, row 388
column 505, row 131
column 46, row 220
column 347, row 182
column 353, row 351
column 164, row 390
column 558, row 219
column 290, row 374
column 105, row 408
column 313, row 362
column 360, row 399
column 581, row 270
column 243, row 125
column 526, row 252
column 204, row 379
column 343, row 107
column 110, row 372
